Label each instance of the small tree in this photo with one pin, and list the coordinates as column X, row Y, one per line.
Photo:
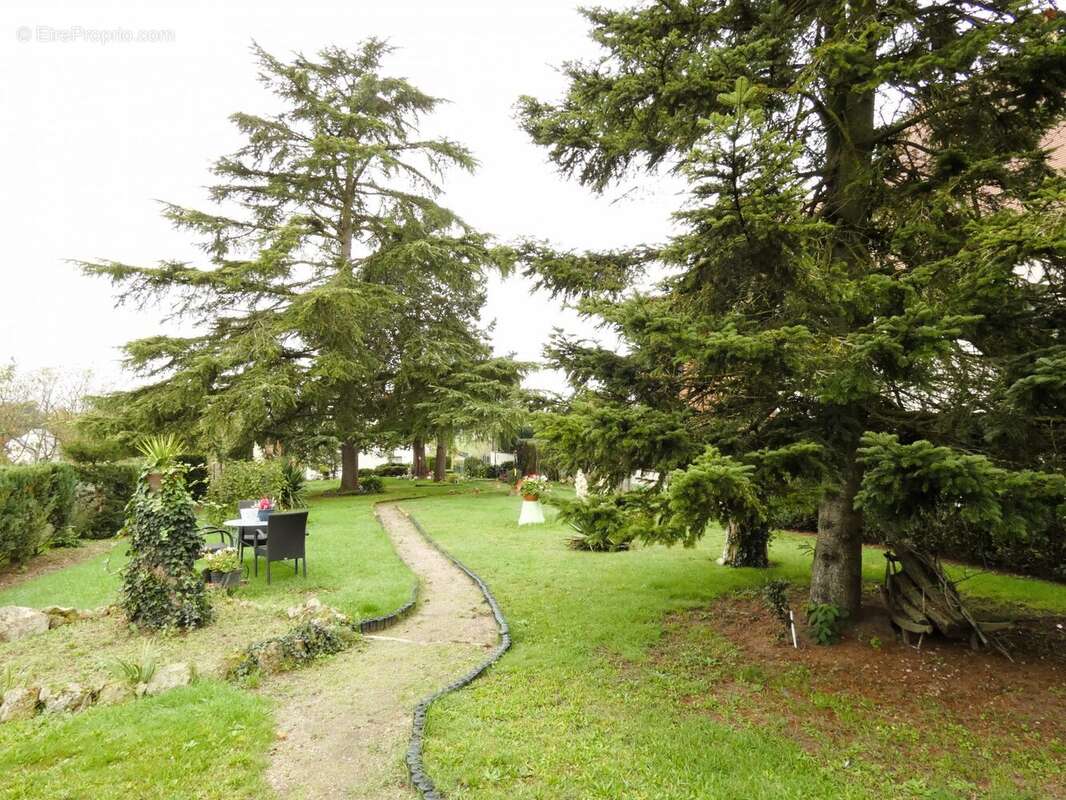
column 160, row 588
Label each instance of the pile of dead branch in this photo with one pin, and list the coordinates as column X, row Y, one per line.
column 922, row 600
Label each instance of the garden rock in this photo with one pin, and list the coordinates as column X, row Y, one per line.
column 61, row 615
column 112, row 693
column 271, row 658
column 17, row 622
column 19, row 703
column 73, row 698
column 314, row 610
column 170, row 677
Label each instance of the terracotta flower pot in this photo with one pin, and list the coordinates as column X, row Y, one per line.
column 155, row 482
column 530, row 497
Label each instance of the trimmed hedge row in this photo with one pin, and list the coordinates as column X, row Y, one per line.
column 103, row 492
column 31, row 498
column 54, row 503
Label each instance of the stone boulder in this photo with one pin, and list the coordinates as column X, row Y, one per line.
column 19, row 703
column 112, row 693
column 71, row 698
column 61, row 615
column 17, row 622
column 170, row 677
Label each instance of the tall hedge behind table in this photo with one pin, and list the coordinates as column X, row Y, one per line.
column 160, row 588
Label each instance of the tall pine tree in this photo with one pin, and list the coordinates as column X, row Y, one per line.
column 853, row 259
column 299, row 310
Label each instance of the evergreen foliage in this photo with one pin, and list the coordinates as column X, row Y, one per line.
column 873, row 244
column 160, row 587
column 331, row 268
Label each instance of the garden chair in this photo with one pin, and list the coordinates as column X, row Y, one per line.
column 225, row 538
column 286, row 536
column 248, row 537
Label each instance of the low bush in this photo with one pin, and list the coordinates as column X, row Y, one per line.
column 476, row 468
column 102, row 494
column 599, row 521
column 36, row 502
column 371, row 484
column 391, row 470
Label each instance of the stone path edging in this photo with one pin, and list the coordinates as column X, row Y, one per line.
column 422, row 782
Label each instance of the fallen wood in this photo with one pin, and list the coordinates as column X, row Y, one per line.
column 922, row 599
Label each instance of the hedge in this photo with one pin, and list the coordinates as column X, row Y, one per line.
column 246, row 480
column 36, row 502
column 103, row 492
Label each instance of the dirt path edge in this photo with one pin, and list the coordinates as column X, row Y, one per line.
column 415, row 767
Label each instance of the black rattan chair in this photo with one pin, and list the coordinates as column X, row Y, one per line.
column 286, row 537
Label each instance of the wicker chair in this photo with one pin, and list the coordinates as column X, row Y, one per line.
column 286, row 537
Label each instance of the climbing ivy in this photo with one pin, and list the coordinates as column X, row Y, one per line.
column 160, row 587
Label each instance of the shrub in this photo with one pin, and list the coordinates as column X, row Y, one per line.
column 102, row 495
column 301, row 645
column 160, row 588
column 825, row 620
column 292, row 491
column 391, row 470
column 36, row 501
column 599, row 521
column 196, row 475
column 371, row 484
column 476, row 468
column 247, row 480
column 504, row 472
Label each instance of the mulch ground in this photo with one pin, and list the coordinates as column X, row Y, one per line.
column 901, row 704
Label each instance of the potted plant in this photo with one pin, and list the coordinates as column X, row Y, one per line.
column 533, row 487
column 266, row 508
column 223, row 567
column 160, row 452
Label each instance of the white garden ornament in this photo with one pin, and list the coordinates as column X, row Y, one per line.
column 532, row 488
column 581, row 485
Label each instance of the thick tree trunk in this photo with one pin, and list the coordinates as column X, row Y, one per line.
column 746, row 545
column 439, row 463
column 418, row 466
column 349, row 467
column 836, row 575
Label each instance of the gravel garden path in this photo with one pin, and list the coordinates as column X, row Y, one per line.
column 344, row 725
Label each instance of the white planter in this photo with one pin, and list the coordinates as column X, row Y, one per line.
column 249, row 515
column 532, row 513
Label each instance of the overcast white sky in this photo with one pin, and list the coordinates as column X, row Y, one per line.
column 95, row 131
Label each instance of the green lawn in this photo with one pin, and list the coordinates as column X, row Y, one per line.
column 350, row 563
column 207, row 741
column 589, row 703
column 580, row 709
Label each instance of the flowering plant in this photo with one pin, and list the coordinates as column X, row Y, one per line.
column 266, row 504
column 224, row 560
column 533, row 487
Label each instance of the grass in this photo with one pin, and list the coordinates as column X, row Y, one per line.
column 601, row 696
column 211, row 739
column 205, row 741
column 581, row 709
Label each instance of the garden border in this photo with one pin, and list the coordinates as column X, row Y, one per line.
column 415, row 767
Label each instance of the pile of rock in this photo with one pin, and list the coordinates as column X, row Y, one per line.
column 26, row 702
column 18, row 622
